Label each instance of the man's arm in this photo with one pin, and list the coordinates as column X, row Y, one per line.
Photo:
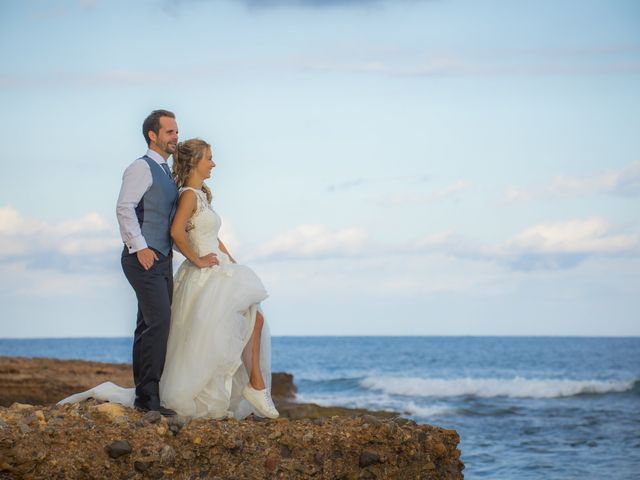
column 136, row 181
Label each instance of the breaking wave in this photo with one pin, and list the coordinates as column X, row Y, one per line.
column 516, row 387
column 377, row 402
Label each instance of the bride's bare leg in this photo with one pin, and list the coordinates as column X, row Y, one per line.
column 255, row 393
column 256, row 379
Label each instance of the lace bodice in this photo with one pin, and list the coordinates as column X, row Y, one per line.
column 203, row 226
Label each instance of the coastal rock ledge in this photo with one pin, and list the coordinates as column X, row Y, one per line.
column 107, row 441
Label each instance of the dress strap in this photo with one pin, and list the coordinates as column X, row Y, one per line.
column 182, row 189
column 201, row 199
column 199, row 193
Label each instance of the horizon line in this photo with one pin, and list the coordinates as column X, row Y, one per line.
column 362, row 336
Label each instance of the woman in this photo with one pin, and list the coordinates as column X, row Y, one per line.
column 216, row 323
column 218, row 352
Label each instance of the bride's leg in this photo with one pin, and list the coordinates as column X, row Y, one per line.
column 255, row 392
column 256, row 379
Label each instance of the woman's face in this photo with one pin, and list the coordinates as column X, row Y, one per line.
column 206, row 164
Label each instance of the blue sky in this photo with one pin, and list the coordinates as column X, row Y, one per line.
column 407, row 167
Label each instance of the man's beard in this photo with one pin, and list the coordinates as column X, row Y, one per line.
column 168, row 148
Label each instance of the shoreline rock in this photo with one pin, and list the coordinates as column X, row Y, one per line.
column 101, row 440
column 42, row 381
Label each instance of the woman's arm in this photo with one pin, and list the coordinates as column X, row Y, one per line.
column 222, row 248
column 186, row 207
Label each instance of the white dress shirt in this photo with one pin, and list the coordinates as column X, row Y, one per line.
column 136, row 181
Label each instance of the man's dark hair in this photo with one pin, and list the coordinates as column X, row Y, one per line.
column 152, row 123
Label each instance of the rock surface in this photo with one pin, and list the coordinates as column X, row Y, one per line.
column 42, row 381
column 100, row 440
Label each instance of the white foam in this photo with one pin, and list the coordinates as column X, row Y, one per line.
column 426, row 412
column 516, row 387
column 321, row 376
column 355, row 401
column 374, row 401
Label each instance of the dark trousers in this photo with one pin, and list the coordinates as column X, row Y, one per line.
column 154, row 291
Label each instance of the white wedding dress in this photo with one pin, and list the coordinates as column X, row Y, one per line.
column 212, row 318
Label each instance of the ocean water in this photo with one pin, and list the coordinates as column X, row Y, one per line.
column 525, row 407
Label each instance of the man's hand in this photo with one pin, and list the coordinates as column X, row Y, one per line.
column 146, row 257
column 207, row 261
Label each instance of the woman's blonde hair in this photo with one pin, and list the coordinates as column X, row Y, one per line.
column 185, row 159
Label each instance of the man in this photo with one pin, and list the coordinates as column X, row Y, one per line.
column 146, row 206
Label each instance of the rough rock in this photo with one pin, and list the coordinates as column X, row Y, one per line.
column 42, row 381
column 368, row 458
column 112, row 411
column 118, row 448
column 167, row 455
column 282, row 385
column 48, row 441
column 152, row 416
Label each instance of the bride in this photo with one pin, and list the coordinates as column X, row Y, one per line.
column 218, row 361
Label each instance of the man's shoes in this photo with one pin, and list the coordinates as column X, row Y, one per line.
column 165, row 412
column 141, row 407
column 261, row 400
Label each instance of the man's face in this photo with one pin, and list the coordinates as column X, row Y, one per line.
column 167, row 138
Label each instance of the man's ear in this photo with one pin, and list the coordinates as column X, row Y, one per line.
column 152, row 136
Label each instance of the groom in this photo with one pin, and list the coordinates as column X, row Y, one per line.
column 146, row 206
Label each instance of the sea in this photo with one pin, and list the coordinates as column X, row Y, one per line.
column 524, row 407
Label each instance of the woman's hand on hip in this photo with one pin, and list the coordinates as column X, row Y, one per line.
column 207, row 261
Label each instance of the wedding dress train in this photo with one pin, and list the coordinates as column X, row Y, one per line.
column 212, row 319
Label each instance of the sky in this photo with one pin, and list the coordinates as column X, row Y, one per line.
column 406, row 167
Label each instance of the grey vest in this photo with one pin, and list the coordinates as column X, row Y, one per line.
column 156, row 209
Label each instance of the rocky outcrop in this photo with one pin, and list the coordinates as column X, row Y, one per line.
column 102, row 440
column 41, row 381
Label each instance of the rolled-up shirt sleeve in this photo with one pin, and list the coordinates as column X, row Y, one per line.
column 136, row 181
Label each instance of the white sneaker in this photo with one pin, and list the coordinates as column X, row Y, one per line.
column 261, row 400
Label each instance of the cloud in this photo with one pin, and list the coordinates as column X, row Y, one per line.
column 458, row 66
column 621, row 182
column 438, row 262
column 317, row 4
column 345, row 185
column 434, row 241
column 560, row 245
column 49, row 14
column 544, row 246
column 417, row 196
column 103, row 78
column 321, row 242
column 308, row 3
column 88, row 4
column 89, row 244
column 388, row 60
column 43, row 11
column 516, row 194
column 625, row 182
column 591, row 235
column 385, row 276
column 314, row 241
column 20, row 280
column 352, row 183
column 414, row 68
column 478, row 61
column 173, row 7
column 436, row 195
column 82, row 244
